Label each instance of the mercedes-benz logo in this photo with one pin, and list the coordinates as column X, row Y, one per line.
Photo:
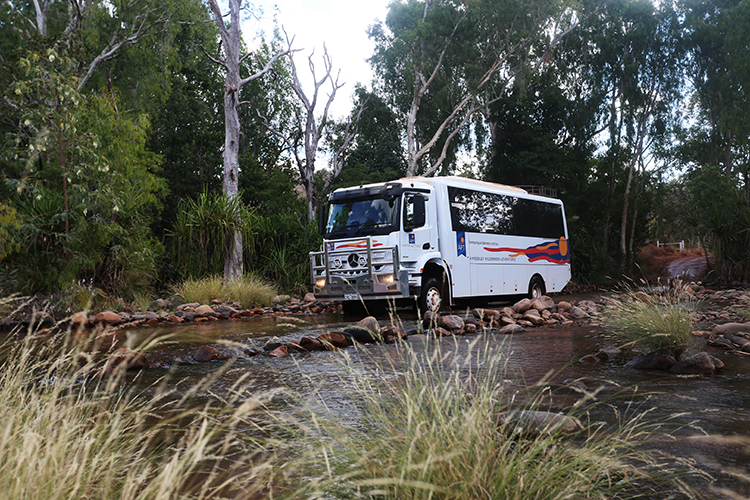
column 353, row 260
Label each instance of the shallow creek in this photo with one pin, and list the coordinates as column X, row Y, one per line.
column 714, row 405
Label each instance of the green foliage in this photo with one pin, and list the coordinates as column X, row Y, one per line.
column 661, row 322
column 86, row 188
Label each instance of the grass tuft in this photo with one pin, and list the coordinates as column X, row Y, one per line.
column 250, row 291
column 661, row 322
column 428, row 426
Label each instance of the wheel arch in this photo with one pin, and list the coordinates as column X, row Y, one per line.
column 435, row 268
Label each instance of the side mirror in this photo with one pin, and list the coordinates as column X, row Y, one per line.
column 322, row 219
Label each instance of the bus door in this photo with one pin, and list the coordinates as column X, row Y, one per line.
column 420, row 226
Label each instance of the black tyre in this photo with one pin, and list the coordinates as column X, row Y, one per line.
column 431, row 298
column 536, row 287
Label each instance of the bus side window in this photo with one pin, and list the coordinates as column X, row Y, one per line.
column 414, row 211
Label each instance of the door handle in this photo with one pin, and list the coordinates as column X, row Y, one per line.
column 426, row 246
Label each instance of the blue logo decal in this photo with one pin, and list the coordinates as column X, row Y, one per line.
column 461, row 244
column 412, row 239
column 331, row 247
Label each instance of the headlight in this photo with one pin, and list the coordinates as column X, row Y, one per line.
column 337, row 263
column 320, row 282
column 363, row 260
column 385, row 279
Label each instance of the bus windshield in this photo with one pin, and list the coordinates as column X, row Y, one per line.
column 374, row 216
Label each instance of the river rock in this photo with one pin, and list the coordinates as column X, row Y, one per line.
column 697, row 364
column 204, row 311
column 564, row 306
column 542, row 303
column 158, row 305
column 662, row 362
column 486, row 314
column 588, row 306
column 362, row 335
column 534, row 423
column 392, row 334
column 177, row 301
column 205, row 353
column 509, row 329
column 442, row 332
column 522, row 306
column 578, row 313
column 309, row 297
column 108, row 318
column 334, row 339
column 470, row 328
column 533, row 316
column 370, row 323
column 311, row 344
column 80, row 319
column 430, row 319
column 732, row 328
column 124, row 359
column 280, row 352
column 451, row 322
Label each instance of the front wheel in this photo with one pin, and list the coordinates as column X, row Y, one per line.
column 536, row 288
column 431, row 298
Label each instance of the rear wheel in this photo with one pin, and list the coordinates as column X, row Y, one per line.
column 431, row 298
column 536, row 288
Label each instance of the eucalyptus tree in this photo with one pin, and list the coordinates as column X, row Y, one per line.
column 717, row 35
column 231, row 62
column 304, row 138
column 443, row 62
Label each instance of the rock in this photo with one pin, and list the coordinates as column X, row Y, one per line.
column 108, row 318
column 697, row 364
column 486, row 314
column 509, row 329
column 470, row 328
column 542, row 303
column 430, row 319
column 311, row 344
column 505, row 320
column 525, row 323
column 225, row 310
column 334, row 339
column 177, row 301
column 80, row 319
column 534, row 423
column 281, row 299
column 205, row 353
column 392, row 334
column 370, row 323
column 533, row 316
column 522, row 306
column 158, row 305
column 564, row 306
column 204, row 311
column 309, row 297
column 590, row 359
column 442, row 332
column 577, row 313
column 588, row 306
column 451, row 322
column 362, row 335
column 661, row 362
column 124, row 359
column 271, row 345
column 280, row 352
column 732, row 328
column 176, row 320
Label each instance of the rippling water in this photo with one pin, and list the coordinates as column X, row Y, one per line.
column 715, row 405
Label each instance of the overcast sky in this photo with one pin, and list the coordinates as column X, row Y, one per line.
column 341, row 25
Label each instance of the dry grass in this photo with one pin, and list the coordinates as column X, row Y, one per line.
column 250, row 291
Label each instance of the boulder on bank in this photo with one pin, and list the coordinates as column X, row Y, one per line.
column 732, row 328
column 660, row 362
column 701, row 363
column 107, row 318
column 206, row 353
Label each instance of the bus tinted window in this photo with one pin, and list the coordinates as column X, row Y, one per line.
column 479, row 212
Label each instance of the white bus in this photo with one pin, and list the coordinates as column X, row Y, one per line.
column 438, row 241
